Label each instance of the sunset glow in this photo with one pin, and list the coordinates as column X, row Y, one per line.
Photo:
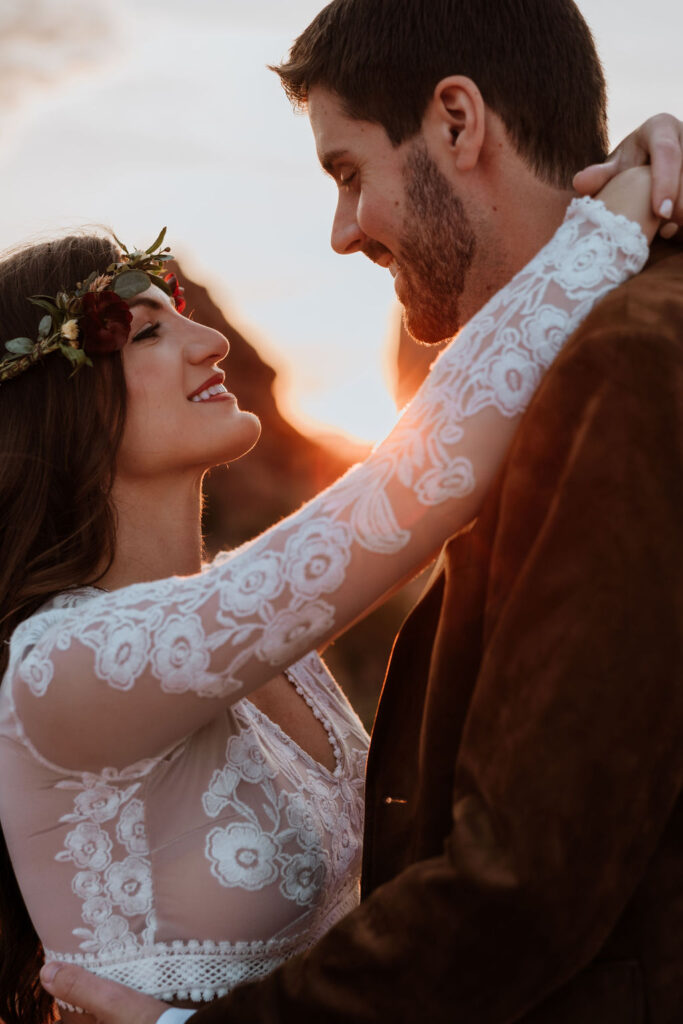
column 147, row 113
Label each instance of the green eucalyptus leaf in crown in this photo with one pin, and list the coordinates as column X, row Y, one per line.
column 45, row 326
column 131, row 283
column 94, row 318
column 19, row 346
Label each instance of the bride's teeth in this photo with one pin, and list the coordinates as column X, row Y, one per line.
column 215, row 389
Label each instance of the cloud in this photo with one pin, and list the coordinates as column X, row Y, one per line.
column 44, row 43
column 264, row 15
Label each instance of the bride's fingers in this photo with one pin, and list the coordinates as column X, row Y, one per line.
column 591, row 179
column 666, row 158
column 109, row 1002
column 659, row 143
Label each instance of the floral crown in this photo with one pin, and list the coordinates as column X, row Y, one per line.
column 95, row 317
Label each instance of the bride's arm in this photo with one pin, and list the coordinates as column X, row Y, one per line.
column 129, row 673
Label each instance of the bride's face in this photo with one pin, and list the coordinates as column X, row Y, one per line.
column 180, row 415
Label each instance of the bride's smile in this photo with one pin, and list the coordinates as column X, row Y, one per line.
column 180, row 416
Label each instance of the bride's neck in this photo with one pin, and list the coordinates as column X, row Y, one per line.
column 158, row 531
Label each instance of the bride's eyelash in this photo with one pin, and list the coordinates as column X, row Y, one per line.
column 147, row 332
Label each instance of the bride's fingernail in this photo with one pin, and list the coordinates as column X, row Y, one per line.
column 669, row 230
column 666, row 209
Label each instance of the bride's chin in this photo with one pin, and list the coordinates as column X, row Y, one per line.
column 252, row 429
column 242, row 440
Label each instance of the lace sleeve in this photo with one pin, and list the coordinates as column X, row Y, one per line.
column 174, row 652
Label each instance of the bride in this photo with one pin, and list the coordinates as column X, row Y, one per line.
column 179, row 771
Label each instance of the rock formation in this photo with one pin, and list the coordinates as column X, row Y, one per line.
column 282, row 471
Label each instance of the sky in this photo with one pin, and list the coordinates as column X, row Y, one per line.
column 141, row 113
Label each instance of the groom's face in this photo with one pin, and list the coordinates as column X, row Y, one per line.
column 397, row 207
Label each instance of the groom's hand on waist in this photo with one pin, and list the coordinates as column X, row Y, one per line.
column 110, row 1002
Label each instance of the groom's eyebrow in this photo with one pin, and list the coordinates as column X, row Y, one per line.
column 328, row 160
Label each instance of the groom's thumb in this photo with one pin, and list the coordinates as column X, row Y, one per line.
column 110, row 1002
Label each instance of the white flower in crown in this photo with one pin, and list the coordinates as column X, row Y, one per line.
column 123, row 654
column 513, row 378
column 69, row 330
column 291, row 633
column 302, row 817
column 87, row 846
column 245, row 754
column 129, row 884
column 181, row 656
column 130, row 828
column 303, row 878
column 242, row 856
column 96, row 910
column 316, row 557
column 546, row 330
column 258, row 580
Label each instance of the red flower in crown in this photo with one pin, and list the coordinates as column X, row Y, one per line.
column 105, row 322
column 178, row 293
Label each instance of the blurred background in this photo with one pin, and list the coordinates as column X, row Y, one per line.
column 141, row 113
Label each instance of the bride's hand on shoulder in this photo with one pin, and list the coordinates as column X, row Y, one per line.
column 629, row 194
column 657, row 143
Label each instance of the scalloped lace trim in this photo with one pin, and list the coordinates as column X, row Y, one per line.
column 201, row 971
column 595, row 210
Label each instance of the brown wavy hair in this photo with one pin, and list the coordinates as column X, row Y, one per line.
column 534, row 61
column 59, row 435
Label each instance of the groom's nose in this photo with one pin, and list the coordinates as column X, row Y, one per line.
column 346, row 237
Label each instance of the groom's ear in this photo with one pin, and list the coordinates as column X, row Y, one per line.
column 455, row 121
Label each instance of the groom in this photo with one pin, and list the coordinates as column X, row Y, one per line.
column 523, row 846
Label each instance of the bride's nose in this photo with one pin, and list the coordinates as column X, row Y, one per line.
column 207, row 343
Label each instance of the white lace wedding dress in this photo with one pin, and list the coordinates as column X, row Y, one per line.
column 164, row 832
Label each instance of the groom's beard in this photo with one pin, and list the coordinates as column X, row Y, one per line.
column 437, row 247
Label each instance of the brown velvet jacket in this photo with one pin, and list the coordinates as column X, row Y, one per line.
column 524, row 835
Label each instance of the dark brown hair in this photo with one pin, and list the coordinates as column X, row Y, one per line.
column 534, row 62
column 58, row 440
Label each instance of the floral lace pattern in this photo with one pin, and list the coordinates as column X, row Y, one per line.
column 112, row 891
column 266, row 819
column 300, row 830
column 227, row 630
column 233, row 810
